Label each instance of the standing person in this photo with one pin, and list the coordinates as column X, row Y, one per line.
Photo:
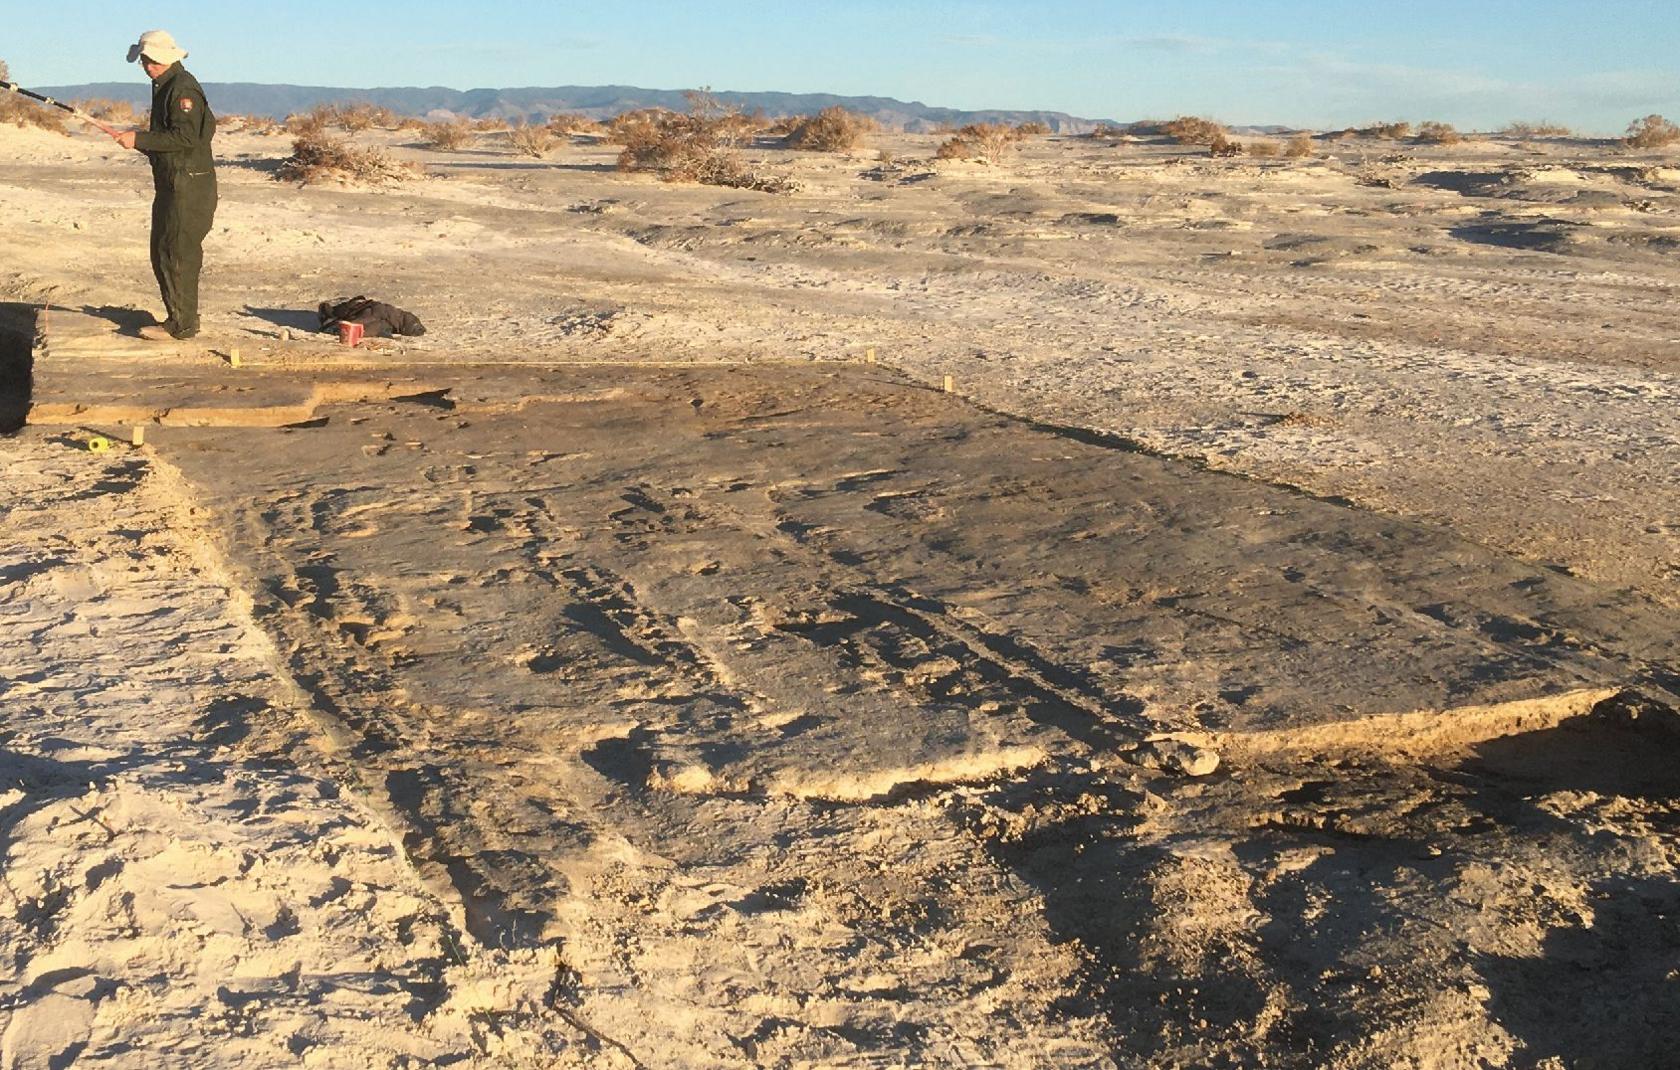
column 183, row 175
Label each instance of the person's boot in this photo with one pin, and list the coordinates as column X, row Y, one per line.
column 160, row 332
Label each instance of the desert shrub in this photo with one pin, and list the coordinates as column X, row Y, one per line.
column 954, row 149
column 25, row 113
column 630, row 126
column 1300, row 147
column 446, row 136
column 1540, row 129
column 115, row 112
column 830, row 130
column 700, row 146
column 354, row 118
column 1103, row 130
column 250, row 124
column 1651, row 132
column 1193, row 130
column 1224, row 146
column 320, row 156
column 783, row 126
column 1264, row 148
column 312, row 122
column 565, row 124
column 529, row 139
column 21, row 111
column 1033, row 129
column 1438, row 134
column 1144, row 128
column 980, row 141
column 740, row 126
column 1395, row 131
column 490, row 125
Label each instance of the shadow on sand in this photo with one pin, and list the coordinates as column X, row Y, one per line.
column 297, row 319
column 128, row 320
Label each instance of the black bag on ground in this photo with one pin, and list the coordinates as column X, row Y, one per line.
column 378, row 319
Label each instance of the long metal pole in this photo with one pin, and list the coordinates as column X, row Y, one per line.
column 50, row 102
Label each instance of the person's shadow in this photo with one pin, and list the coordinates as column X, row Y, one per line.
column 306, row 320
column 128, row 320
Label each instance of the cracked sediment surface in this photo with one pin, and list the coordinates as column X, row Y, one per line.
column 805, row 714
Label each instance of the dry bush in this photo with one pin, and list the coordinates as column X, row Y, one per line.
column 45, row 118
column 1300, row 147
column 115, row 112
column 648, row 137
column 1103, row 130
column 1438, row 134
column 700, row 146
column 1540, row 129
column 740, row 127
column 1033, row 129
column 1396, row 131
column 354, row 118
column 1193, row 130
column 1651, row 132
column 566, row 124
column 1264, row 148
column 630, row 126
column 21, row 111
column 529, row 139
column 954, row 149
column 490, row 125
column 250, row 124
column 830, row 130
column 446, row 136
column 318, row 157
column 980, row 141
column 1224, row 146
column 312, row 122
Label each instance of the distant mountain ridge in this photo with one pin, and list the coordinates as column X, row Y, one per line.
column 597, row 102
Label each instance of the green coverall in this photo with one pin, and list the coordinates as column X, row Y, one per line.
column 184, row 176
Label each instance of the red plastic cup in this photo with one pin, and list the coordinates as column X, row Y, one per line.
column 350, row 334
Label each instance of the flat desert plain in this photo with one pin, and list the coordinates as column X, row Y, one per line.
column 1112, row 608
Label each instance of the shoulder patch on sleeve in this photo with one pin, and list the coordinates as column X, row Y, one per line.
column 186, row 104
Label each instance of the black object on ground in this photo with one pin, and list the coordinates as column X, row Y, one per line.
column 378, row 319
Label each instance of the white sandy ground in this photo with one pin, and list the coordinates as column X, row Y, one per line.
column 169, row 882
column 1479, row 337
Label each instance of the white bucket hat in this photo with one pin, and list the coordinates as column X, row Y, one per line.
column 159, row 47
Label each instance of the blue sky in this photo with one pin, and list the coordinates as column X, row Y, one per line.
column 1477, row 63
